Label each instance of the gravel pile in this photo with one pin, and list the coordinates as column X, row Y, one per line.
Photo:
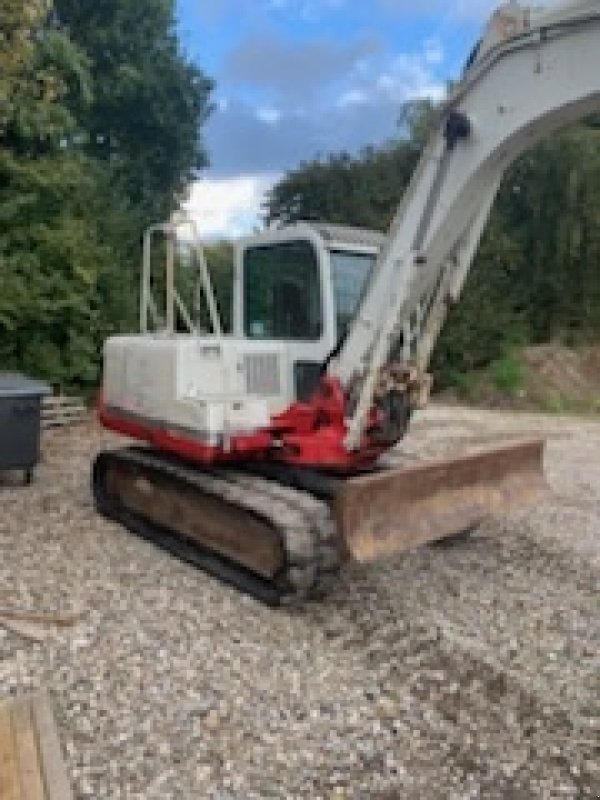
column 454, row 672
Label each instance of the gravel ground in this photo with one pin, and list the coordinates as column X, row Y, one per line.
column 451, row 672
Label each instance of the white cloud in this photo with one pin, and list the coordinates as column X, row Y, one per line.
column 434, row 52
column 308, row 10
column 344, row 107
column 269, row 115
column 407, row 76
column 230, row 207
column 353, row 97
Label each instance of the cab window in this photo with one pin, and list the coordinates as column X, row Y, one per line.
column 282, row 293
column 350, row 273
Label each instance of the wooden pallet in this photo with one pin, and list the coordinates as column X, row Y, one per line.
column 58, row 410
column 31, row 761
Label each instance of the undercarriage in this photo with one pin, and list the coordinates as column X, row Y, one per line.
column 280, row 533
column 274, row 542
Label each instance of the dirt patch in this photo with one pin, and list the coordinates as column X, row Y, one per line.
column 571, row 373
column 548, row 377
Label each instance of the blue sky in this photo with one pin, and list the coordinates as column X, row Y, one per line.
column 300, row 78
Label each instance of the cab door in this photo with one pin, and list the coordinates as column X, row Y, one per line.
column 284, row 296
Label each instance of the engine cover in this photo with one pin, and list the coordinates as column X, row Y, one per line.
column 200, row 386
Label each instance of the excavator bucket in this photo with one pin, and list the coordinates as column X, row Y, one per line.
column 386, row 512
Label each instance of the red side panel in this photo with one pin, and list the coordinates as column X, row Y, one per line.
column 306, row 434
column 313, row 433
column 241, row 448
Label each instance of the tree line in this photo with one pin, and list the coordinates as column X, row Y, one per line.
column 536, row 276
column 100, row 119
column 100, row 132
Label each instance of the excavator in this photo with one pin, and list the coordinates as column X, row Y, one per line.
column 260, row 453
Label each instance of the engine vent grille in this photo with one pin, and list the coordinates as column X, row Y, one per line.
column 262, row 373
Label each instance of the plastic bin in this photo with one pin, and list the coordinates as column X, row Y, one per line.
column 20, row 422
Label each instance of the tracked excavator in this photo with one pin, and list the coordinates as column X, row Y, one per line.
column 259, row 454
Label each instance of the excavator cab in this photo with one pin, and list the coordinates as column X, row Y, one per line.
column 312, row 273
column 300, row 285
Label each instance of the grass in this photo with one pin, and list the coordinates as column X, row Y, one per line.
column 506, row 374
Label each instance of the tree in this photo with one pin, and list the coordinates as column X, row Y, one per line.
column 71, row 209
column 361, row 190
column 47, row 261
column 149, row 100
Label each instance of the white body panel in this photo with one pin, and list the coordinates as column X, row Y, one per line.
column 201, row 385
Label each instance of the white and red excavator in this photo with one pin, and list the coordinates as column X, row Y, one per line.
column 261, row 450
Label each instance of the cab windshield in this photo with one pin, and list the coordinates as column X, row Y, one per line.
column 282, row 292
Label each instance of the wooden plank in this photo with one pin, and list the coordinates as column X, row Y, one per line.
column 71, row 408
column 74, row 409
column 62, row 420
column 66, row 410
column 63, row 618
column 37, row 625
column 32, row 786
column 63, row 409
column 61, row 400
column 60, row 410
column 58, row 415
column 54, row 770
column 28, row 630
column 49, row 412
column 10, row 784
column 50, row 422
column 48, row 426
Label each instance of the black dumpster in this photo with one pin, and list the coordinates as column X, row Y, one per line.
column 20, row 418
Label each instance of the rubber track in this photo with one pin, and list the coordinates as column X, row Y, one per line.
column 304, row 523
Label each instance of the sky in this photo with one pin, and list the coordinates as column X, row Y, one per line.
column 298, row 79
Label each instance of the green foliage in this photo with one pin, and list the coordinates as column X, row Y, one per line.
column 536, row 275
column 99, row 121
column 149, row 101
column 362, row 190
column 55, row 266
column 354, row 191
column 219, row 259
column 506, row 373
column 417, row 119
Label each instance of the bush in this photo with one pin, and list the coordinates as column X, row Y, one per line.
column 507, row 373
